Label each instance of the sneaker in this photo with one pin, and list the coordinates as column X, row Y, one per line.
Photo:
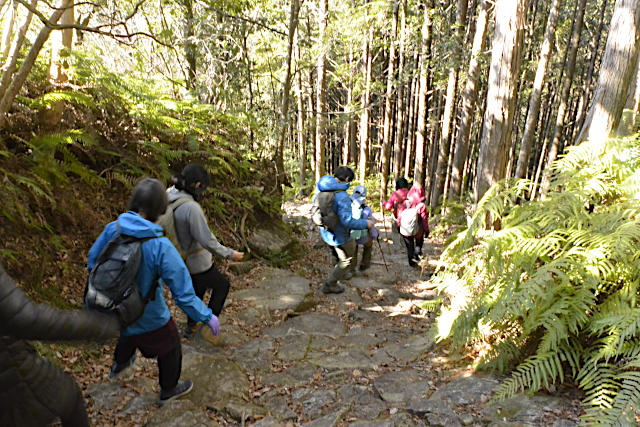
column 190, row 331
column 117, row 370
column 332, row 289
column 181, row 389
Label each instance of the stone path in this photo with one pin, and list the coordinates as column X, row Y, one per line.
column 293, row 356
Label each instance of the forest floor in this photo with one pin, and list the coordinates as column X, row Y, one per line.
column 289, row 355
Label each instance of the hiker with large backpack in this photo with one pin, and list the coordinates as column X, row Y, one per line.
column 34, row 392
column 154, row 333
column 186, row 225
column 413, row 223
column 396, row 202
column 332, row 213
column 364, row 238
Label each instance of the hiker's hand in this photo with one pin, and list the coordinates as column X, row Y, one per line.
column 370, row 224
column 237, row 256
column 214, row 324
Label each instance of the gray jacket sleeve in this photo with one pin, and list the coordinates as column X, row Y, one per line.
column 21, row 318
column 200, row 231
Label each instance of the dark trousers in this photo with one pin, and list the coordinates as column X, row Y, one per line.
column 414, row 247
column 218, row 283
column 163, row 344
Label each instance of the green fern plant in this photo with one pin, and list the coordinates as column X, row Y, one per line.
column 553, row 291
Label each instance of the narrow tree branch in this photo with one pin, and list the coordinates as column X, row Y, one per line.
column 98, row 29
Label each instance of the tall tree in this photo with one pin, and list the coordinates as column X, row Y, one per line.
column 501, row 95
column 302, row 140
column 9, row 67
column 452, row 87
column 469, row 101
column 536, row 93
column 61, row 43
column 18, row 79
column 190, row 52
column 7, row 32
column 321, row 90
column 388, row 106
column 587, row 87
column 401, row 114
column 425, row 62
column 618, row 63
column 367, row 64
column 573, row 45
column 286, row 88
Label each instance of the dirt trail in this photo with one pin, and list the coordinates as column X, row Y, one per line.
column 289, row 355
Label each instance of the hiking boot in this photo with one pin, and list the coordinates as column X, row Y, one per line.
column 117, row 370
column 190, row 330
column 181, row 389
column 332, row 289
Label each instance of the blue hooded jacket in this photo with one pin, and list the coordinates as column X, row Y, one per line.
column 341, row 206
column 159, row 259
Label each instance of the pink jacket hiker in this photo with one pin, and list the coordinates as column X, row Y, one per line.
column 396, row 203
column 415, row 197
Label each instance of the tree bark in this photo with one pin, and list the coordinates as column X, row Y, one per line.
column 8, row 30
column 501, row 95
column 388, row 106
column 564, row 97
column 21, row 76
column 469, row 101
column 620, row 58
column 536, row 93
column 421, row 131
column 442, row 155
column 302, row 140
column 189, row 45
column 366, row 97
column 9, row 67
column 587, row 87
column 286, row 89
column 400, row 101
column 412, row 96
column 61, row 40
column 321, row 114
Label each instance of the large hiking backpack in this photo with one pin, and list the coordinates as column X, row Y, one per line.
column 410, row 220
column 322, row 213
column 111, row 285
column 168, row 222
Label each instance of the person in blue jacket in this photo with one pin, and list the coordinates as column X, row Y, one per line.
column 339, row 239
column 155, row 334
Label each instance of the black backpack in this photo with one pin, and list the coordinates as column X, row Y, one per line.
column 111, row 285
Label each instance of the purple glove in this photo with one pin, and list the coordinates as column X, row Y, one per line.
column 214, row 324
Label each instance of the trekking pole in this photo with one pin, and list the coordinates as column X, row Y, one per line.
column 386, row 233
column 382, row 253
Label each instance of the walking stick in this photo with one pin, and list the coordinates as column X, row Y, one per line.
column 382, row 253
column 386, row 233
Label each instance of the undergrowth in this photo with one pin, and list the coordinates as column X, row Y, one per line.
column 70, row 156
column 552, row 289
